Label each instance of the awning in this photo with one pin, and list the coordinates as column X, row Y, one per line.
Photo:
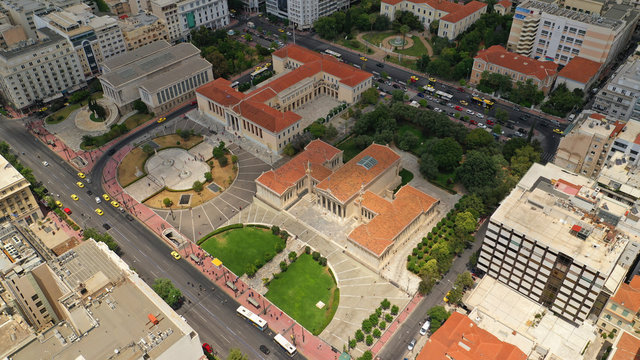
column 216, row 262
column 576, row 228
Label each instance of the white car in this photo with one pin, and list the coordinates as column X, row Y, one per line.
column 482, row 126
column 480, row 115
column 437, row 110
column 412, row 344
column 470, row 112
column 45, row 163
column 98, row 200
column 449, row 104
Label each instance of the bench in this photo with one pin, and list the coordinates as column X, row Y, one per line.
column 231, row 286
column 253, row 302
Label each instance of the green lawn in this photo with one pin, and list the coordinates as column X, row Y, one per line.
column 441, row 181
column 136, row 120
column 62, row 114
column 408, row 63
column 349, row 148
column 297, row 290
column 239, row 247
column 376, row 38
column 410, row 128
column 418, row 49
column 406, row 176
column 352, row 44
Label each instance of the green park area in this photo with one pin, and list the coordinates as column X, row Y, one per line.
column 298, row 289
column 240, row 248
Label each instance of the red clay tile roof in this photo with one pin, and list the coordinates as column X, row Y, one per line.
column 598, row 116
column 617, row 128
column 220, row 91
column 505, row 3
column 391, row 219
column 316, row 153
column 627, row 348
column 580, row 69
column 465, row 11
column 628, row 295
column 498, row 55
column 391, row 2
column 266, row 116
column 461, row 339
column 346, row 181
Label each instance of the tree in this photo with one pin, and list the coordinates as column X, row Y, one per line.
column 208, row 177
column 326, row 27
column 428, row 166
column 223, row 161
column 377, row 333
column 292, row 256
column 236, row 354
column 78, row 96
column 409, row 141
column 455, row 295
column 370, row 96
column 423, row 62
column 404, row 29
column 140, row 106
column 523, row 159
column 447, row 153
column 359, row 335
column 147, row 149
column 561, row 101
column 429, row 275
column 369, row 340
column 465, row 223
column 394, row 310
column 397, row 95
column 510, row 147
column 92, row 233
column 478, row 170
column 367, row 355
column 502, row 115
column 473, row 204
column 169, row 293
column 526, row 94
column 167, row 202
column 317, row 129
column 464, row 280
column 385, row 304
column 433, row 27
column 197, row 186
column 219, row 64
column 497, row 129
column 494, row 82
column 442, row 254
column 478, row 138
column 439, row 67
column 438, row 315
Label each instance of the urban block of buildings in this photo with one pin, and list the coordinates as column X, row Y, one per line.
column 519, row 68
column 303, row 13
column 159, row 74
column 619, row 97
column 625, row 347
column 579, row 73
column 142, row 29
column 460, row 338
column 267, row 115
column 622, row 311
column 88, row 303
column 547, row 30
column 453, row 18
column 361, row 189
column 555, row 239
column 16, row 200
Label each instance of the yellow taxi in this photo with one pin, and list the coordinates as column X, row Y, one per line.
column 80, row 184
column 115, row 204
column 175, row 255
column 81, row 175
column 432, row 80
column 267, row 64
column 258, row 68
column 106, row 197
column 99, row 211
column 281, row 30
column 161, row 119
column 74, row 197
column 363, row 58
column 464, row 102
column 446, row 297
column 58, row 203
column 558, row 131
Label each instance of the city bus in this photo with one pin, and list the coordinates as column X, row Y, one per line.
column 476, row 100
column 256, row 320
column 430, row 89
column 333, row 53
column 259, row 71
column 444, row 95
column 282, row 341
column 488, row 103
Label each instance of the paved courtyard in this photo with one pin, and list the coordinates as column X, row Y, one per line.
column 177, row 168
column 361, row 289
column 318, row 108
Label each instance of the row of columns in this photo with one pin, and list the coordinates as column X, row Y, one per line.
column 334, row 207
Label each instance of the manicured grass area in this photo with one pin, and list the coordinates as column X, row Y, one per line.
column 406, row 176
column 355, row 45
column 349, row 148
column 238, row 248
column 297, row 290
column 62, row 114
column 441, row 181
column 376, row 38
column 412, row 129
column 136, row 120
column 174, row 139
column 408, row 63
column 418, row 49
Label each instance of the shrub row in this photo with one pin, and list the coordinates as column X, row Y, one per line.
column 219, row 230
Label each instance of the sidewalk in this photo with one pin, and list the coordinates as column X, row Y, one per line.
column 393, row 327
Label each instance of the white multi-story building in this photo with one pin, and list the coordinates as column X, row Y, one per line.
column 109, row 35
column 39, row 70
column 554, row 239
column 544, row 29
column 183, row 16
column 21, row 13
column 620, row 97
column 167, row 11
column 303, row 13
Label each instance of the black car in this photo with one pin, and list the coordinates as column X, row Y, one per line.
column 264, row 349
column 396, row 86
column 380, row 65
column 106, row 226
column 129, row 217
column 380, row 80
column 89, row 192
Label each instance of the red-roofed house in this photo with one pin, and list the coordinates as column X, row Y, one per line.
column 497, row 59
column 503, row 7
column 461, row 339
column 621, row 311
column 361, row 189
column 579, row 73
column 626, row 347
column 454, row 18
column 282, row 186
column 267, row 115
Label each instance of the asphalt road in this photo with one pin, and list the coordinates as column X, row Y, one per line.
column 396, row 347
column 210, row 311
column 544, row 128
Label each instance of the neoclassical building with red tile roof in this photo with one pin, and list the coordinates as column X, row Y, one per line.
column 267, row 115
column 362, row 189
column 622, row 311
column 497, row 59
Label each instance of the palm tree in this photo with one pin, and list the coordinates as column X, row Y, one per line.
column 404, row 29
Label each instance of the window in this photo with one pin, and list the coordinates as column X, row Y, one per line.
column 614, row 306
column 625, row 312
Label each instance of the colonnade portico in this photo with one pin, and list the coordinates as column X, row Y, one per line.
column 334, row 207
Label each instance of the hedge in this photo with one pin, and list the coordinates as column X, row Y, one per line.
column 218, row 231
column 260, row 226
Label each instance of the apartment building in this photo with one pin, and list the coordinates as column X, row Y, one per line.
column 109, row 34
column 40, row 69
column 98, row 308
column 303, row 13
column 142, row 29
column 21, row 13
column 10, row 35
column 543, row 29
column 554, row 240
column 167, row 11
column 252, row 5
column 579, row 73
column 622, row 312
column 159, row 74
column 619, row 98
column 118, row 7
column 503, row 7
column 585, row 149
column 453, row 18
column 267, row 115
column 193, row 14
column 16, row 200
column 519, row 68
column 139, row 6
